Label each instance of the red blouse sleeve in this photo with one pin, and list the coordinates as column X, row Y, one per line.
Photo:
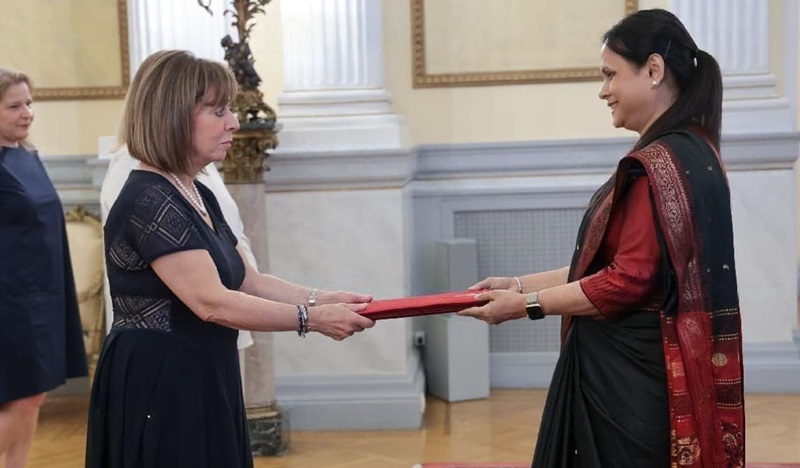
column 633, row 276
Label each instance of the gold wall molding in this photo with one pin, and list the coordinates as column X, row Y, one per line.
column 423, row 79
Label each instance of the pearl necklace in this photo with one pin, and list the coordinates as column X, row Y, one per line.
column 197, row 202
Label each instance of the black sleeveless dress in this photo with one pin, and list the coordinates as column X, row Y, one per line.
column 41, row 340
column 167, row 392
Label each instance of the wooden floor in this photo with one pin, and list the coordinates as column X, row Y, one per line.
column 500, row 428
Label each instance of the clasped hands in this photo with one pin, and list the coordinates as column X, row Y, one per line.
column 337, row 313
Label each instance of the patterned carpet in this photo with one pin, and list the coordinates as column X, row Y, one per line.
column 527, row 465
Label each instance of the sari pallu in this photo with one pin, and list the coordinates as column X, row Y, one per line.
column 700, row 321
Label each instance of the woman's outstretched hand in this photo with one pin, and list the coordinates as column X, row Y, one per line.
column 338, row 321
column 342, row 297
column 496, row 282
column 502, row 306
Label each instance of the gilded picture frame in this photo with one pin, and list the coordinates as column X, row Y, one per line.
column 72, row 50
column 424, row 76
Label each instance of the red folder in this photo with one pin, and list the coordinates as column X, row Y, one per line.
column 422, row 305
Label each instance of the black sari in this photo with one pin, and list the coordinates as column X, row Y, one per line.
column 656, row 387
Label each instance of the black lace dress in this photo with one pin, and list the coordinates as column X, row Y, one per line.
column 167, row 392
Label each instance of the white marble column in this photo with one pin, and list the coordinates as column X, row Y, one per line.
column 737, row 34
column 158, row 24
column 337, row 207
column 333, row 87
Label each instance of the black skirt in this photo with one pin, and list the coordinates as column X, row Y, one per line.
column 607, row 405
column 161, row 401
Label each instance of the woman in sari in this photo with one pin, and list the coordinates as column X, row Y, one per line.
column 650, row 370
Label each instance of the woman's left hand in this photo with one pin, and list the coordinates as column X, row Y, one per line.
column 503, row 305
column 342, row 297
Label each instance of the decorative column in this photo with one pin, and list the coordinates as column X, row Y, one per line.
column 244, row 177
column 157, row 25
column 737, row 34
column 337, row 206
column 333, row 66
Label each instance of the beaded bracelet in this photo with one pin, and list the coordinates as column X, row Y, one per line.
column 302, row 320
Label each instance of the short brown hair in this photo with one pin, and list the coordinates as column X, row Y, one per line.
column 9, row 78
column 157, row 120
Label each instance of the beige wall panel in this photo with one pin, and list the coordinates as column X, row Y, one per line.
column 73, row 127
column 266, row 42
column 491, row 113
column 777, row 42
column 63, row 44
column 73, row 45
column 488, row 113
column 466, row 36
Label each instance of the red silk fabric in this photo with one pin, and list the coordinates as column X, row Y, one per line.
column 631, row 276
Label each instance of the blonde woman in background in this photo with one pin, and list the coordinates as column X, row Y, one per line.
column 41, row 340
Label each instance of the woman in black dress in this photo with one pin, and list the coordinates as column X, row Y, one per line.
column 167, row 391
column 41, row 342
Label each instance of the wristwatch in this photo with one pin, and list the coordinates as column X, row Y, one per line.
column 532, row 306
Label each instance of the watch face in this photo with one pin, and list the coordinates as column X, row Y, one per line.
column 532, row 306
column 535, row 311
